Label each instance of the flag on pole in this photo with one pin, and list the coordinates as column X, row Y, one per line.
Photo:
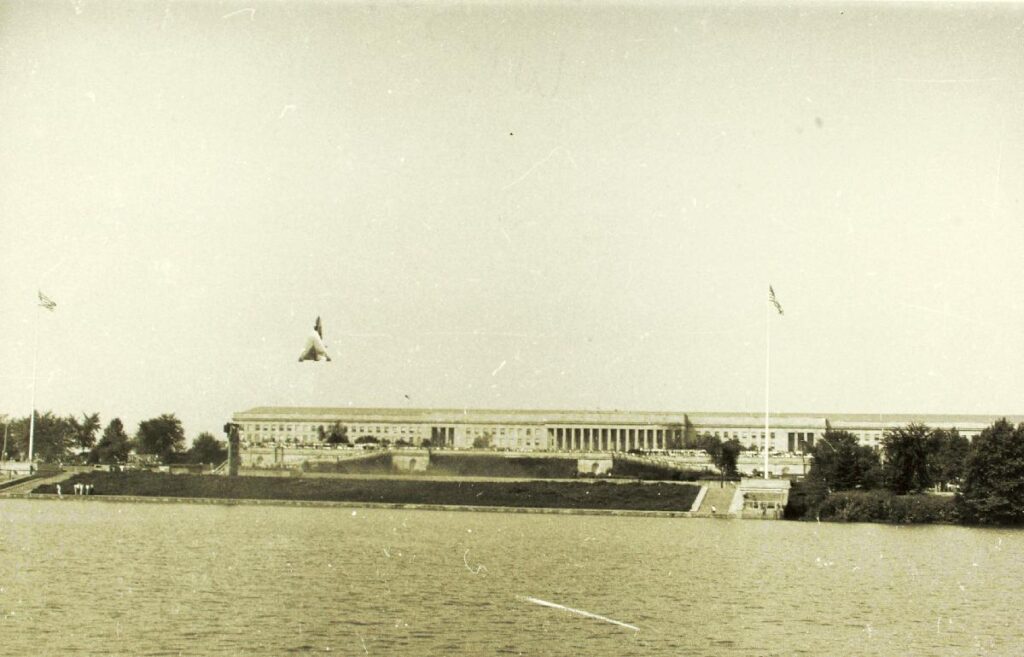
column 775, row 302
column 46, row 302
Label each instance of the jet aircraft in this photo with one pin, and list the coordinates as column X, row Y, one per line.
column 315, row 349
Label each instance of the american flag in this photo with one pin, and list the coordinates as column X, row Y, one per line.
column 46, row 302
column 775, row 302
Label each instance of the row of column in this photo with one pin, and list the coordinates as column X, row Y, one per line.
column 606, row 439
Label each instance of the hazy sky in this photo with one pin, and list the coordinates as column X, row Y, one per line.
column 511, row 206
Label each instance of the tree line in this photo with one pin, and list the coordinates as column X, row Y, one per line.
column 337, row 434
column 73, row 439
column 986, row 474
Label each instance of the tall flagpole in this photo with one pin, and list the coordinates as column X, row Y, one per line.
column 32, row 416
column 767, row 379
column 44, row 302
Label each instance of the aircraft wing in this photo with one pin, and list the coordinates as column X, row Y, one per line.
column 314, row 349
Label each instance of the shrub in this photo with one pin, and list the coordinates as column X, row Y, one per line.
column 884, row 506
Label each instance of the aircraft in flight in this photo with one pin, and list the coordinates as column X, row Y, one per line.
column 315, row 349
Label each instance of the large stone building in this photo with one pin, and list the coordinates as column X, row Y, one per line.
column 578, row 431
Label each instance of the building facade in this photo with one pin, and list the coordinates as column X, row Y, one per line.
column 574, row 431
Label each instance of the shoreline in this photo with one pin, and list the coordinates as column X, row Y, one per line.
column 415, row 506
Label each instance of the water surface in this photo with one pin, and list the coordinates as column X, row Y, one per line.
column 97, row 578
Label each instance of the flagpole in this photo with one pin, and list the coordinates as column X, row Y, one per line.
column 767, row 365
column 32, row 416
column 7, row 430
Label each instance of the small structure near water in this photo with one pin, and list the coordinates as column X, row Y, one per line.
column 760, row 499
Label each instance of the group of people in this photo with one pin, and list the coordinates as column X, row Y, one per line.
column 80, row 489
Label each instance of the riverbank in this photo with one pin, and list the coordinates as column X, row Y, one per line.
column 878, row 506
column 584, row 495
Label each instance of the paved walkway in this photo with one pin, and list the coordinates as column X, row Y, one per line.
column 718, row 497
column 31, row 484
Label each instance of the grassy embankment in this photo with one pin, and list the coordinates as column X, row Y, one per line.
column 460, row 465
column 652, row 471
column 530, row 494
column 496, row 465
column 808, row 503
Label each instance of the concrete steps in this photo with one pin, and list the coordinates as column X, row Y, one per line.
column 718, row 496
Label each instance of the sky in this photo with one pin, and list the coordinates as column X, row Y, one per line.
column 511, row 205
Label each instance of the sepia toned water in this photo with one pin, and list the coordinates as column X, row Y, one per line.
column 97, row 578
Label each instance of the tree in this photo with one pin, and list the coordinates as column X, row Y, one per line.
column 906, row 458
column 708, row 443
column 993, row 477
column 5, row 446
column 484, row 441
column 367, row 440
column 840, row 463
column 947, row 452
column 207, row 449
column 725, row 460
column 338, row 435
column 53, row 439
column 114, row 445
column 162, row 436
column 84, row 431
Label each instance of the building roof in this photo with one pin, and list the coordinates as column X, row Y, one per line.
column 575, row 417
column 457, row 416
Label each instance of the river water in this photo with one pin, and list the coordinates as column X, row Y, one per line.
column 82, row 577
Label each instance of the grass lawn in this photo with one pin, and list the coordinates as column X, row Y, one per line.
column 534, row 494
